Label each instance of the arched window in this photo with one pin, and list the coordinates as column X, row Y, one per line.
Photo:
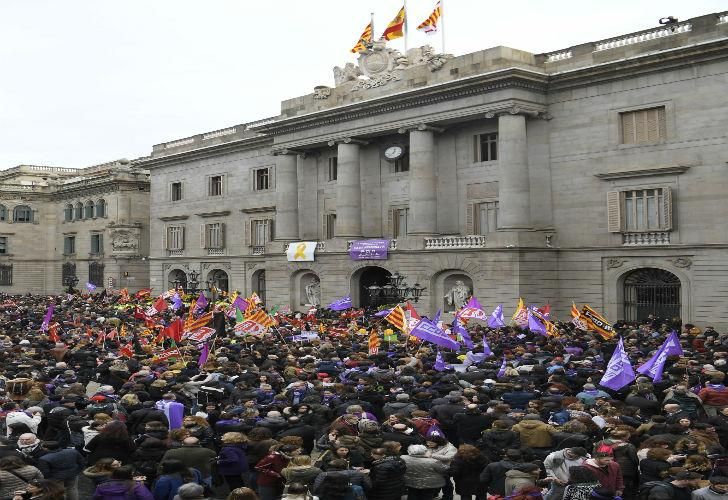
column 101, row 208
column 651, row 292
column 68, row 212
column 22, row 213
column 79, row 211
column 3, row 213
column 89, row 212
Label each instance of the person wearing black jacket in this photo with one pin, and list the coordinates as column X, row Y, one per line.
column 387, row 475
column 302, row 430
column 494, row 474
column 470, row 424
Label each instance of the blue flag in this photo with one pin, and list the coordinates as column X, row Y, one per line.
column 619, row 370
column 459, row 329
column 496, row 320
column 436, row 319
column 341, row 304
column 427, row 330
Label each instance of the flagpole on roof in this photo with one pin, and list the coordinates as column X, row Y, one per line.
column 406, row 22
column 442, row 23
column 371, row 37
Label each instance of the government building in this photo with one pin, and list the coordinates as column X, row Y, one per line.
column 62, row 227
column 594, row 174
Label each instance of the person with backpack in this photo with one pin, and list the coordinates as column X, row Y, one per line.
column 679, row 487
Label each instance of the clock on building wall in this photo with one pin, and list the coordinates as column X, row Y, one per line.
column 393, row 152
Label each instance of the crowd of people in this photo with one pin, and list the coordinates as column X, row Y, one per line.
column 94, row 406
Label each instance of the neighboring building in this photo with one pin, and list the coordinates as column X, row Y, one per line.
column 594, row 174
column 58, row 223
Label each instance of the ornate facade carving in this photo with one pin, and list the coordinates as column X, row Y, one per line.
column 375, row 81
column 321, row 92
column 350, row 72
column 615, row 262
column 682, row 262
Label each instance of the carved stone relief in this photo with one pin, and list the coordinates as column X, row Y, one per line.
column 614, row 262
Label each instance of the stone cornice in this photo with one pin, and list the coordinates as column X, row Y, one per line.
column 464, row 87
column 220, row 213
column 258, row 210
column 171, row 218
column 206, row 152
column 645, row 172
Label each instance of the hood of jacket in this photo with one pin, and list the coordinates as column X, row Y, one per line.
column 531, row 424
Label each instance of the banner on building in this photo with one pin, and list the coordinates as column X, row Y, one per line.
column 301, row 251
column 369, row 250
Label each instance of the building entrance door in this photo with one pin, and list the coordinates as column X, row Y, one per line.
column 651, row 291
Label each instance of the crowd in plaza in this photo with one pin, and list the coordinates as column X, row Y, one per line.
column 116, row 397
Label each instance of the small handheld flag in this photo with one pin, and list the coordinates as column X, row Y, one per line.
column 90, row 287
column 496, row 320
column 619, row 370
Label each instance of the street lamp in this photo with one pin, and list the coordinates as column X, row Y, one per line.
column 396, row 290
column 71, row 282
column 192, row 282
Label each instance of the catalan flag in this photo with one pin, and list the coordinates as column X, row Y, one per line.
column 374, row 343
column 396, row 318
column 395, row 28
column 364, row 39
column 429, row 25
column 195, row 324
column 261, row 317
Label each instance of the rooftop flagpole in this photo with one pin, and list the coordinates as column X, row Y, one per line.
column 371, row 15
column 442, row 23
column 406, row 22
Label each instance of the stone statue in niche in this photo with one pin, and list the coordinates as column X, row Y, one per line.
column 313, row 292
column 458, row 295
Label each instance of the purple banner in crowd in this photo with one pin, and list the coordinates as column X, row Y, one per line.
column 369, row 249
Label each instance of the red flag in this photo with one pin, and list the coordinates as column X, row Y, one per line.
column 100, row 337
column 53, row 333
column 144, row 292
column 139, row 313
column 89, row 332
column 160, row 305
column 126, row 351
column 413, row 312
column 112, row 334
column 174, row 330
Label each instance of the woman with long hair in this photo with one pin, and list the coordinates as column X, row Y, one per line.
column 101, row 471
column 42, row 489
column 300, row 470
column 15, row 475
column 199, row 427
column 113, row 441
column 232, row 462
column 581, row 483
column 122, row 484
column 465, row 469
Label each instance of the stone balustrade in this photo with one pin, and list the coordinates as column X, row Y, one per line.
column 257, row 250
column 176, row 253
column 454, row 242
column 646, row 239
column 723, row 18
column 215, row 251
column 392, row 245
column 559, row 56
column 642, row 36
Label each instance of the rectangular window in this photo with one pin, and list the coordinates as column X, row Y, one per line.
column 3, row 245
column 643, row 125
column 329, row 226
column 485, row 147
column 97, row 243
column 176, row 191
column 261, row 232
column 213, row 235
column 6, row 274
column 175, row 238
column 69, row 245
column 333, row 168
column 640, row 210
column 399, row 222
column 215, row 185
column 261, row 179
column 486, row 217
column 402, row 164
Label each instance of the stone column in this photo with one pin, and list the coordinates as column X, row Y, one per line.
column 422, row 183
column 123, row 208
column 348, row 191
column 514, row 192
column 286, row 196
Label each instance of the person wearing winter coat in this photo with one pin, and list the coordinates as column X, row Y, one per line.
column 581, row 484
column 533, row 433
column 147, row 456
column 714, row 396
column 268, row 469
column 521, row 478
column 122, row 486
column 471, row 424
column 194, row 456
column 15, row 475
column 716, row 490
column 174, row 474
column 493, row 476
column 558, row 465
column 606, row 470
column 101, row 471
column 63, row 466
column 387, row 475
column 113, row 441
column 301, row 470
column 232, row 462
column 465, row 469
column 496, row 440
column 442, row 450
column 424, row 475
column 401, row 406
column 339, row 468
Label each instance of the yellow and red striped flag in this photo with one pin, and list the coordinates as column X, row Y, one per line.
column 374, row 343
column 261, row 317
column 365, row 38
column 195, row 324
column 395, row 28
column 396, row 318
column 429, row 25
column 577, row 320
column 520, row 317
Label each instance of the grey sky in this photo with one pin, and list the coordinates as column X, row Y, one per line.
column 89, row 81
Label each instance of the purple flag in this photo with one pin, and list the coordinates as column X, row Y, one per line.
column 90, row 287
column 473, row 310
column 495, row 320
column 656, row 364
column 369, row 249
column 436, row 319
column 502, row 370
column 176, row 301
column 47, row 318
column 486, row 348
column 472, row 358
column 382, row 313
column 440, row 364
column 341, row 304
column 201, row 302
column 535, row 325
column 427, row 330
column 459, row 329
column 240, row 303
column 619, row 370
column 204, row 353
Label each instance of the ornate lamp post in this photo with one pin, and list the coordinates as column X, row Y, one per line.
column 192, row 282
column 396, row 290
column 70, row 282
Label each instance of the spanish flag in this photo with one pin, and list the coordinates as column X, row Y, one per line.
column 429, row 25
column 366, row 37
column 395, row 28
column 396, row 318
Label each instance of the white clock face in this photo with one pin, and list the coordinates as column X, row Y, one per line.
column 393, row 152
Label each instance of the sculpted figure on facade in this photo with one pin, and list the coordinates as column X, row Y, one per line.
column 313, row 292
column 349, row 73
column 458, row 295
column 124, row 241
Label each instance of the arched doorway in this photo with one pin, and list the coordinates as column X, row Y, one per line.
column 177, row 278
column 365, row 278
column 258, row 284
column 651, row 291
column 219, row 279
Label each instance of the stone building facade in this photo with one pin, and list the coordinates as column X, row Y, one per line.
column 594, row 174
column 58, row 223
